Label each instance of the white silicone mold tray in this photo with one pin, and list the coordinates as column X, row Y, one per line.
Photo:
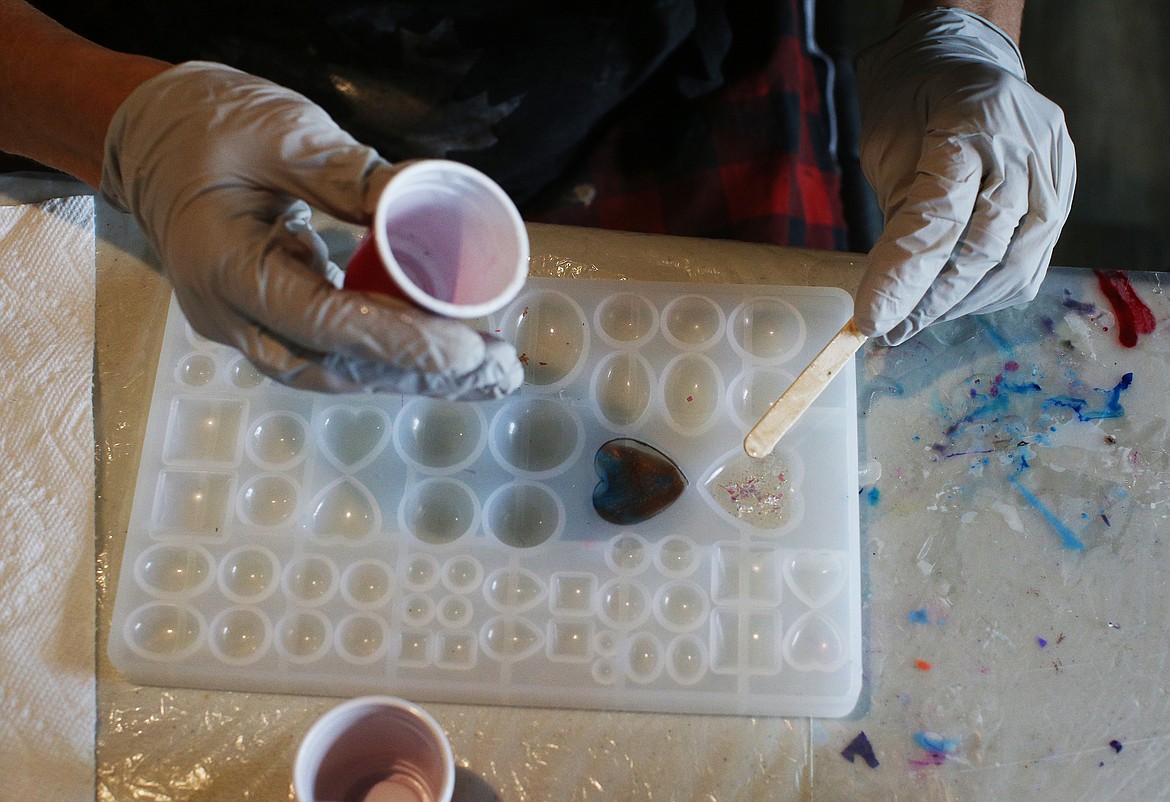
column 295, row 542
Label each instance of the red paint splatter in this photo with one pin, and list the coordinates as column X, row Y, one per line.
column 690, row 398
column 1011, row 366
column 1134, row 318
column 922, row 665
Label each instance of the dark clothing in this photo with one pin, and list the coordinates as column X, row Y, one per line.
column 694, row 117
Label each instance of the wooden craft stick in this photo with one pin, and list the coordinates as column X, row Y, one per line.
column 799, row 397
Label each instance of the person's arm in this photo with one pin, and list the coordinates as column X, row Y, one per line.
column 59, row 91
column 1003, row 14
column 973, row 169
column 221, row 170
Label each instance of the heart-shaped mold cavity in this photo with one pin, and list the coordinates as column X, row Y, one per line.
column 814, row 644
column 637, row 481
column 344, row 509
column 815, row 577
column 763, row 493
column 352, row 438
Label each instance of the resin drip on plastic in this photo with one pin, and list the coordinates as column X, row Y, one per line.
column 755, row 490
column 637, row 481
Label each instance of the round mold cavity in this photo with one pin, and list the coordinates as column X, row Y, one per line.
column 693, row 322
column 361, row 638
column 303, row 636
column 240, row 635
column 514, row 590
column 623, row 387
column 454, row 611
column 352, row 437
column 421, row 572
column 644, row 658
column 524, row 515
column 536, row 437
column 439, row 510
column 681, row 606
column 815, row 577
column 277, row 440
column 195, row 370
column 676, row 556
column 814, row 643
column 627, row 554
column 753, row 392
column 164, row 631
column 605, row 643
column 686, row 659
column 439, row 437
column 417, row 610
column 626, row 319
column 604, row 672
column 310, row 580
column 509, row 639
column 692, row 389
column 367, row 584
column 623, row 604
column 244, row 375
column 249, row 574
column 767, row 330
column 174, row 571
column 268, row 500
column 550, row 334
column 344, row 511
column 462, row 574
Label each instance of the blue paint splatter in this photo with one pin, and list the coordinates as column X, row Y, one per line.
column 918, row 617
column 1117, row 745
column 1112, row 408
column 1067, row 538
column 1041, row 642
column 935, row 743
column 873, row 496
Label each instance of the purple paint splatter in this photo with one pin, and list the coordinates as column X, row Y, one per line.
column 860, row 747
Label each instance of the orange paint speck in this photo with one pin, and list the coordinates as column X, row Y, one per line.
column 923, row 665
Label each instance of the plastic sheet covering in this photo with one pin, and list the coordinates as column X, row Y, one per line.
column 1000, row 661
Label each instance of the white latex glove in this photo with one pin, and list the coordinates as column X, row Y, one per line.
column 219, row 168
column 974, row 172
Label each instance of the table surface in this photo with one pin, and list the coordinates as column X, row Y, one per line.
column 1000, row 659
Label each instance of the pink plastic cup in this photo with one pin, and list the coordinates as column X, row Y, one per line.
column 374, row 749
column 445, row 237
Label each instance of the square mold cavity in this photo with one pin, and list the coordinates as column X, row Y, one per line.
column 193, row 503
column 204, row 431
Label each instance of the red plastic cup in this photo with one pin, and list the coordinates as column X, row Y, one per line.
column 445, row 237
column 375, row 749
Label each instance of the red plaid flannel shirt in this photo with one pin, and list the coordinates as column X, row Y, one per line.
column 753, row 164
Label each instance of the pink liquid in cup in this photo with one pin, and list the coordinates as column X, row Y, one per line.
column 375, row 749
column 445, row 237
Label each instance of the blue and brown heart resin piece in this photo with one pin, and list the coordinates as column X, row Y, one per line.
column 637, row 481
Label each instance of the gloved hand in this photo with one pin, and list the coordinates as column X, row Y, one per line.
column 217, row 165
column 974, row 172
